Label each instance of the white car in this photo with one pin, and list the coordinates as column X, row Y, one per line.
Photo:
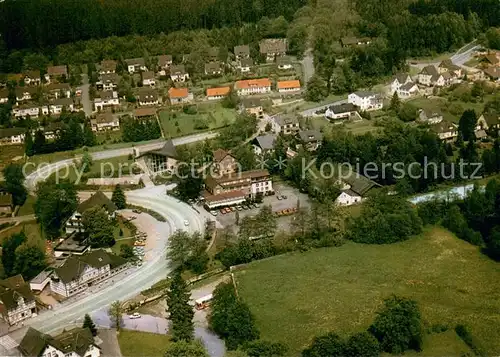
column 186, row 222
column 135, row 315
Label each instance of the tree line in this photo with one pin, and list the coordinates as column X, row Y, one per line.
column 139, row 130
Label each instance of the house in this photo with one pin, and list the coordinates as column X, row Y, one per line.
column 310, row 139
column 29, row 109
column 253, row 86
column 341, row 111
column 474, row 74
column 252, row 106
column 106, row 98
column 288, row 86
column 445, row 130
column 136, row 65
column 245, row 65
column 488, row 121
column 285, row 124
column 217, row 93
column 284, row 63
column 272, row 48
column 480, row 134
column 429, row 76
column 51, row 130
column 235, row 188
column 212, row 54
column 59, row 90
column 148, row 96
column 264, row 144
column 144, row 113
column 108, row 82
column 58, row 105
column 448, row 66
column 241, row 52
column 105, row 121
column 6, row 204
column 213, row 68
column 355, row 41
column 77, row 342
column 490, row 59
column 79, row 272
column 164, row 63
column 56, row 72
column 32, row 78
column 98, row 199
column 148, row 79
column 398, row 81
column 17, row 302
column 178, row 73
column 429, row 117
column 354, row 188
column 408, row 90
column 12, row 136
column 366, row 101
column 107, row 67
column 492, row 73
column 73, row 243
column 4, row 95
column 224, row 163
column 179, row 95
column 25, row 93
column 158, row 160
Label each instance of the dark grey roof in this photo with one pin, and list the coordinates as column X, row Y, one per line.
column 246, row 62
column 364, row 94
column 402, row 77
column 491, row 118
column 177, row 69
column 283, row 120
column 98, row 199
column 163, row 60
column 13, row 288
column 251, row 102
column 110, row 78
column 135, row 61
column 266, row 142
column 429, row 70
column 243, row 50
column 8, row 132
column 359, row 184
column 147, row 75
column 407, row 86
column 107, row 94
column 167, row 150
column 343, row 108
column 480, row 134
column 63, row 101
column 273, row 45
column 308, row 136
column 147, row 95
column 33, row 343
column 284, row 60
column 213, row 67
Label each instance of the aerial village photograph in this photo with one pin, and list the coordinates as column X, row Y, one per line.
column 266, row 178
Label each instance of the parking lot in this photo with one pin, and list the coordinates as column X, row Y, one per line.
column 276, row 202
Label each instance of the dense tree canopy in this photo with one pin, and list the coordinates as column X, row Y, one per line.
column 14, row 183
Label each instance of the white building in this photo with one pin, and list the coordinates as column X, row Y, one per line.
column 57, row 106
column 98, row 199
column 17, row 302
column 105, row 121
column 4, row 95
column 79, row 272
column 148, row 96
column 178, row 73
column 398, row 81
column 287, row 125
column 292, row 86
column 108, row 82
column 148, row 79
column 106, row 99
column 366, row 101
column 59, row 90
column 408, row 90
column 341, row 111
column 12, row 136
column 32, row 110
column 77, row 342
column 264, row 144
column 348, row 198
column 164, row 62
column 245, row 65
column 136, row 65
column 253, row 86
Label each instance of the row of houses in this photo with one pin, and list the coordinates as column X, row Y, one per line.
column 34, row 77
column 16, row 135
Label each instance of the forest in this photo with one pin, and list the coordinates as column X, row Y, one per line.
column 46, row 23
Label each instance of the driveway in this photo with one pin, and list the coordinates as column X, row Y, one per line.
column 308, row 65
column 312, row 112
column 109, row 346
column 86, row 102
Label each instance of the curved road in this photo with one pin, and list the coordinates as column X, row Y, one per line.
column 140, row 278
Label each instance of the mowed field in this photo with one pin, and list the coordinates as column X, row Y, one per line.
column 301, row 295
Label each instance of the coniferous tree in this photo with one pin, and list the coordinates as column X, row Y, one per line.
column 88, row 323
column 118, row 197
column 28, row 144
column 181, row 313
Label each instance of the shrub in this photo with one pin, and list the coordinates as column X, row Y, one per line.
column 463, row 332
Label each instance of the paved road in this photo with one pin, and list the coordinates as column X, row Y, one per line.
column 311, row 112
column 151, row 271
column 86, row 102
column 45, row 171
column 463, row 55
column 26, row 218
column 308, row 65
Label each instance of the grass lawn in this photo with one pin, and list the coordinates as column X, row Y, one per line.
column 135, row 343
column 442, row 105
column 8, row 153
column 177, row 123
column 31, row 229
column 357, row 128
column 300, row 295
column 99, row 168
column 28, row 207
column 109, row 137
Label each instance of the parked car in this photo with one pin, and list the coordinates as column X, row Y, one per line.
column 223, row 210
column 232, row 209
column 278, row 197
column 239, row 208
column 138, row 211
column 284, row 197
column 135, row 315
column 186, row 222
column 214, row 213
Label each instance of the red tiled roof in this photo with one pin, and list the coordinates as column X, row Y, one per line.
column 289, row 84
column 178, row 92
column 212, row 92
column 261, row 82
